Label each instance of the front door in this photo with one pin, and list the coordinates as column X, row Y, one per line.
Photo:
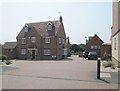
column 33, row 54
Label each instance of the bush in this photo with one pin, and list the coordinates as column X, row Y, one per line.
column 74, row 53
column 69, row 54
column 109, row 64
column 7, row 62
column 3, row 57
column 107, row 56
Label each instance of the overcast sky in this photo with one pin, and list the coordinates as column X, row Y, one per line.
column 80, row 18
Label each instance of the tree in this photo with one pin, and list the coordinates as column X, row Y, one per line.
column 74, row 48
column 82, row 47
column 77, row 48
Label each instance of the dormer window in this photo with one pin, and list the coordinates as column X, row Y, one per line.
column 26, row 28
column 49, row 26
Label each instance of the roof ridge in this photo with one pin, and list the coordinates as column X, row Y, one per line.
column 43, row 21
column 11, row 42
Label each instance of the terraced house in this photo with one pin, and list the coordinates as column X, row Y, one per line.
column 42, row 40
column 116, row 33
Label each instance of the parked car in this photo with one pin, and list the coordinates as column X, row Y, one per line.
column 85, row 54
column 92, row 55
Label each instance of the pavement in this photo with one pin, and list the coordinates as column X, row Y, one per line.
column 110, row 75
column 73, row 73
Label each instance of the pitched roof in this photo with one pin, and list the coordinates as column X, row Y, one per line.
column 10, row 45
column 41, row 27
column 107, row 43
column 0, row 45
column 67, row 41
column 94, row 37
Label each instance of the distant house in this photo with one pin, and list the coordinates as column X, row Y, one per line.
column 106, row 51
column 10, row 50
column 68, row 45
column 42, row 40
column 94, row 44
column 116, row 33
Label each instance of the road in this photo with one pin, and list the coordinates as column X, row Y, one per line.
column 72, row 73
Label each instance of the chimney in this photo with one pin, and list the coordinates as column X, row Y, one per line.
column 60, row 18
column 90, row 38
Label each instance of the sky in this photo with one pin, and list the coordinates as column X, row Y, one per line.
column 81, row 19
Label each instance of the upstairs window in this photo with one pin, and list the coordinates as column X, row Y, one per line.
column 23, row 41
column 92, row 47
column 33, row 39
column 26, row 28
column 47, row 39
column 98, row 46
column 95, row 47
column 49, row 26
column 63, row 41
column 60, row 41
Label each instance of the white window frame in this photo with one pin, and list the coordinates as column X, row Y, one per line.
column 49, row 26
column 63, row 40
column 47, row 39
column 60, row 40
column 23, row 40
column 26, row 28
column 47, row 51
column 92, row 47
column 98, row 46
column 95, row 47
column 23, row 51
column 65, row 51
column 33, row 39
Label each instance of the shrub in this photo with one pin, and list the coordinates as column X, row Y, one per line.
column 109, row 64
column 107, row 56
column 7, row 62
column 69, row 54
column 3, row 57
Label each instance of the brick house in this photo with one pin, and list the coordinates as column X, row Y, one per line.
column 10, row 50
column 42, row 40
column 94, row 44
column 106, row 50
column 116, row 33
column 68, row 45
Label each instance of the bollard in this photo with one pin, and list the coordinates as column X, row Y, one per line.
column 98, row 68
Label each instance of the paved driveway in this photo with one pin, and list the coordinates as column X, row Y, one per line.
column 74, row 73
